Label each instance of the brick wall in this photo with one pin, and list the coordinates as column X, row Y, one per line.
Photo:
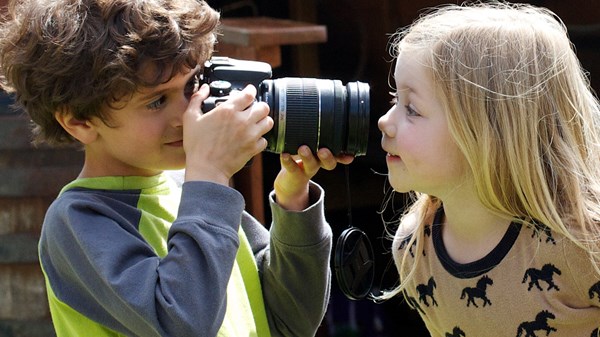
column 30, row 178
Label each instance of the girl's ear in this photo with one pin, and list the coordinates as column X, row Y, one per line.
column 82, row 130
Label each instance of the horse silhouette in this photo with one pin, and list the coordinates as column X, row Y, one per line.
column 413, row 303
column 406, row 240
column 540, row 323
column 426, row 290
column 478, row 292
column 543, row 229
column 595, row 289
column 545, row 274
column 456, row 332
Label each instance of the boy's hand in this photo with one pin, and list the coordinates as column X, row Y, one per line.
column 291, row 184
column 220, row 142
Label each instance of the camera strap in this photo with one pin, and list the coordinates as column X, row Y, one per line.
column 354, row 262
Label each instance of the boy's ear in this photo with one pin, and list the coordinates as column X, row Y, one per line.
column 82, row 130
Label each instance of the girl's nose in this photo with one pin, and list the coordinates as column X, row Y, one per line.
column 385, row 124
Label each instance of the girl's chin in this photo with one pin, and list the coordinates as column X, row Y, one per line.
column 398, row 179
column 400, row 188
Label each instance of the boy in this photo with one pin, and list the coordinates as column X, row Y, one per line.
column 124, row 250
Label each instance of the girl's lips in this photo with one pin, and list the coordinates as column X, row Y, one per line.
column 178, row 143
column 390, row 156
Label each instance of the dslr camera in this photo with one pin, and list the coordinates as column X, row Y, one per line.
column 306, row 111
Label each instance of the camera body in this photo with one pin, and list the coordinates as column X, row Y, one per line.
column 306, row 111
column 224, row 74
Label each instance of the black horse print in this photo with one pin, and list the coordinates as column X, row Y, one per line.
column 478, row 292
column 427, row 232
column 405, row 242
column 426, row 290
column 456, row 332
column 545, row 274
column 540, row 323
column 543, row 229
column 413, row 303
column 595, row 289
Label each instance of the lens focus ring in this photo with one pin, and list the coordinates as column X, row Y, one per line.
column 302, row 121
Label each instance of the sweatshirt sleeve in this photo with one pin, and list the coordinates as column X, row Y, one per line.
column 97, row 262
column 295, row 271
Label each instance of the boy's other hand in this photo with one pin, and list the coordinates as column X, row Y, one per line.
column 291, row 184
column 220, row 142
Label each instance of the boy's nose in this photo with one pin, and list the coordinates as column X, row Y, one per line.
column 179, row 110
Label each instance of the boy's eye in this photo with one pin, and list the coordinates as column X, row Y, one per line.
column 192, row 85
column 157, row 104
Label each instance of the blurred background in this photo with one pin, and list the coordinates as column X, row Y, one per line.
column 345, row 40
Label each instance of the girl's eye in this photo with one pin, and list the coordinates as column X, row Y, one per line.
column 410, row 111
column 157, row 104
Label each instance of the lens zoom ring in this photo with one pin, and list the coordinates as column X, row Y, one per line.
column 302, row 116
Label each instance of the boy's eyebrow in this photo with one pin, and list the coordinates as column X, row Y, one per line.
column 160, row 89
column 148, row 95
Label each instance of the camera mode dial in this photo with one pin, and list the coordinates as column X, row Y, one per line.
column 220, row 88
column 219, row 92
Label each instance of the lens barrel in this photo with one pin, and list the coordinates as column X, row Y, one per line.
column 318, row 113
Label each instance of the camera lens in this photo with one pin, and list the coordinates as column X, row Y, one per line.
column 318, row 113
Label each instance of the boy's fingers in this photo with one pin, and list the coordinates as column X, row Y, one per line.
column 259, row 111
column 288, row 162
column 309, row 161
column 345, row 159
column 261, row 144
column 195, row 105
column 329, row 161
column 204, row 91
column 242, row 100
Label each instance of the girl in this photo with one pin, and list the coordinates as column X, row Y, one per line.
column 496, row 130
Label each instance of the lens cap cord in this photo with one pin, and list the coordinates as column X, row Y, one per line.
column 353, row 261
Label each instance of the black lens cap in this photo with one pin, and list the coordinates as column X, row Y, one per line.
column 354, row 264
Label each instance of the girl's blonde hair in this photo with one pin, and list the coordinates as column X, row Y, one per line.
column 521, row 110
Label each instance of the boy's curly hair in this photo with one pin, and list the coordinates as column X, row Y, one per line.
column 82, row 55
